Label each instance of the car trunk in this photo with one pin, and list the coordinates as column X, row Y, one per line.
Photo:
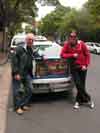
column 51, row 68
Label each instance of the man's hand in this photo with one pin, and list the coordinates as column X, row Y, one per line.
column 17, row 77
column 75, row 55
column 84, row 68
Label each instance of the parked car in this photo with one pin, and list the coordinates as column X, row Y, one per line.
column 93, row 47
column 51, row 73
column 20, row 38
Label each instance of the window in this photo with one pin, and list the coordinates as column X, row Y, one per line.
column 42, row 47
column 18, row 41
column 97, row 44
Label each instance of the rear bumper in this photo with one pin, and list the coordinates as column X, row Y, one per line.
column 52, row 85
column 51, row 80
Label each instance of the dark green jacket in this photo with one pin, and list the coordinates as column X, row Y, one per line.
column 22, row 61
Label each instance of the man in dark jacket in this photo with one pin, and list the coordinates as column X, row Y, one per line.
column 79, row 58
column 21, row 74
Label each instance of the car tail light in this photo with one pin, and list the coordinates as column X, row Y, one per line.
column 51, row 67
column 41, row 68
column 12, row 50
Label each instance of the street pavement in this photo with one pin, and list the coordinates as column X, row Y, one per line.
column 51, row 113
column 3, row 58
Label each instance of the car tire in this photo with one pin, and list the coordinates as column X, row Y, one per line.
column 95, row 51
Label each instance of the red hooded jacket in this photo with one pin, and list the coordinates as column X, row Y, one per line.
column 83, row 58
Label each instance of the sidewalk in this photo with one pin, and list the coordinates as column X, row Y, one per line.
column 5, row 82
column 2, row 56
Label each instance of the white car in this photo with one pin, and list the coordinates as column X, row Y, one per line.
column 20, row 38
column 51, row 74
column 93, row 47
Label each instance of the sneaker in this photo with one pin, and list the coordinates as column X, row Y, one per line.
column 19, row 111
column 26, row 108
column 91, row 104
column 76, row 106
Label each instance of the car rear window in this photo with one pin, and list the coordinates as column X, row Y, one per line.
column 42, row 47
column 97, row 44
column 18, row 41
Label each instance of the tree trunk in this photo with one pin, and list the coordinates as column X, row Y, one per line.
column 1, row 40
column 4, row 40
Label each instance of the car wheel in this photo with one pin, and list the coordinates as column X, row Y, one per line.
column 95, row 51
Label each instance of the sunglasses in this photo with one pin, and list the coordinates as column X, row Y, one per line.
column 72, row 36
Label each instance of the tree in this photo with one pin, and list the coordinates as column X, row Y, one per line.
column 12, row 13
column 50, row 24
column 63, row 20
column 49, row 2
column 93, row 7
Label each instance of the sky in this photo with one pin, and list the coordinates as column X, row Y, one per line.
column 44, row 10
column 73, row 3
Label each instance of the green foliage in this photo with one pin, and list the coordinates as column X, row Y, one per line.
column 51, row 24
column 94, row 7
column 49, row 2
column 14, row 12
column 58, row 23
column 29, row 28
column 64, row 20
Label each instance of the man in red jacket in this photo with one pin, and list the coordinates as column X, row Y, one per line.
column 79, row 58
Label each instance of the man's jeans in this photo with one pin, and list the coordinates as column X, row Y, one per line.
column 22, row 91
